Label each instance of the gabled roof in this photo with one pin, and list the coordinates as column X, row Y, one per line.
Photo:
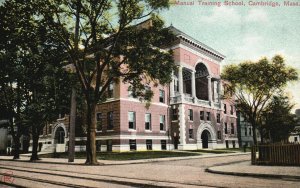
column 197, row 44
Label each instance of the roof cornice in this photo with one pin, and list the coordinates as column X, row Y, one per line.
column 197, row 45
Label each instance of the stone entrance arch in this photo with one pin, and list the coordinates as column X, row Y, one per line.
column 206, row 136
column 59, row 136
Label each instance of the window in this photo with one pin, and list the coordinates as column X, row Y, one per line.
column 110, row 90
column 163, row 144
column 98, row 145
column 132, row 144
column 174, row 113
column 227, row 144
column 225, row 109
column 190, row 114
column 295, row 139
column 149, row 144
column 231, row 109
column 131, row 120
column 250, row 131
column 161, row 96
column 201, row 115
column 99, row 121
column 109, row 145
column 226, row 132
column 147, row 121
column 233, row 143
column 176, row 85
column 219, row 135
column 246, row 131
column 162, row 122
column 208, row 116
column 191, row 135
column 110, row 120
column 232, row 128
column 218, row 118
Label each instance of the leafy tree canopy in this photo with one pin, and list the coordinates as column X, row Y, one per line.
column 279, row 121
column 254, row 84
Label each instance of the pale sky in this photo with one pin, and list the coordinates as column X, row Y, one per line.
column 244, row 32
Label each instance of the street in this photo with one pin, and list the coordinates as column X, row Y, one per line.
column 181, row 173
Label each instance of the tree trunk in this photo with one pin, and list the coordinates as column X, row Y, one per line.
column 261, row 136
column 91, row 155
column 35, row 144
column 16, row 147
column 72, row 126
column 254, row 133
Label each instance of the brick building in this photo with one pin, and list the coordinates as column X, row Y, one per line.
column 187, row 114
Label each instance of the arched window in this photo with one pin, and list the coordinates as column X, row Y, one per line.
column 201, row 81
column 60, row 135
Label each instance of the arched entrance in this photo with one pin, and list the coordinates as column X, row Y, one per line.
column 60, row 135
column 205, row 137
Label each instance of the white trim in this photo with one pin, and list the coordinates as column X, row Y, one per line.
column 137, row 101
column 146, row 137
column 186, row 66
column 125, row 137
column 182, row 127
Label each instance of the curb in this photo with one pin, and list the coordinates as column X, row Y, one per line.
column 131, row 162
column 256, row 175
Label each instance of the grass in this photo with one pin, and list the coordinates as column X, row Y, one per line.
column 248, row 149
column 211, row 151
column 221, row 150
column 123, row 155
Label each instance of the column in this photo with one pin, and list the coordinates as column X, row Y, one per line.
column 193, row 85
column 180, row 78
column 172, row 93
column 215, row 91
column 219, row 90
column 209, row 89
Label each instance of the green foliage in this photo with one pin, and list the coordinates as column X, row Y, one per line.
column 279, row 121
column 34, row 86
column 107, row 41
column 254, row 84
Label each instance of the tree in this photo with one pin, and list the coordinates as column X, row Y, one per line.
column 33, row 82
column 279, row 122
column 105, row 44
column 254, row 84
column 11, row 74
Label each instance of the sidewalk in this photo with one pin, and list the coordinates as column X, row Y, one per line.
column 246, row 169
column 25, row 157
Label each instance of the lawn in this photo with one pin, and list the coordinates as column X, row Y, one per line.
column 124, row 155
column 212, row 151
column 221, row 150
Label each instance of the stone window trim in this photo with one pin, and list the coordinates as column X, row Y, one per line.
column 162, row 96
column 148, row 123
column 131, row 120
